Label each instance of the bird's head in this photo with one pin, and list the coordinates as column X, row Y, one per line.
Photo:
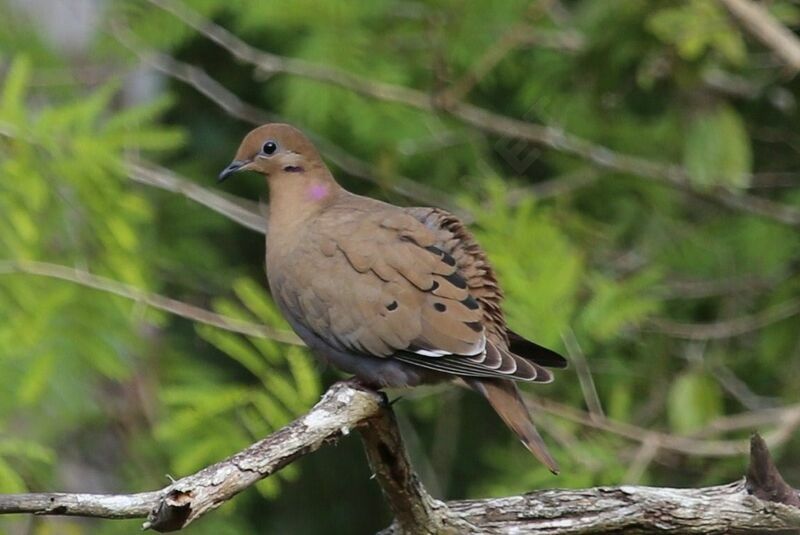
column 274, row 149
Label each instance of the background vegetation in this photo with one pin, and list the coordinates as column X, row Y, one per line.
column 643, row 214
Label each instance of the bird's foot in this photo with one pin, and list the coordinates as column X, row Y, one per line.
column 361, row 384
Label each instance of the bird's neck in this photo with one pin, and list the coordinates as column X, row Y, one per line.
column 296, row 197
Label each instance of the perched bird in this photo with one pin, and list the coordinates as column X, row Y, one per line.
column 396, row 296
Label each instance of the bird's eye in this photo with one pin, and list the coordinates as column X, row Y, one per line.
column 269, row 148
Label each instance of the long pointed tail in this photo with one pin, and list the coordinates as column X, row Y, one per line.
column 504, row 398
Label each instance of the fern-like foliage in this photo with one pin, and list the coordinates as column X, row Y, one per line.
column 65, row 198
column 207, row 419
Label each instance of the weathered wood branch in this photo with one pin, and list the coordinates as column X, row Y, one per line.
column 720, row 510
column 343, row 407
column 415, row 511
column 761, row 503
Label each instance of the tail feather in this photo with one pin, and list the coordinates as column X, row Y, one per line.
column 534, row 352
column 504, row 398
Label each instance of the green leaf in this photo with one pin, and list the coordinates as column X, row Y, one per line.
column 13, row 94
column 238, row 349
column 717, row 149
column 697, row 26
column 270, row 410
column 10, row 481
column 36, row 378
column 26, row 449
column 694, row 399
column 617, row 304
column 305, row 375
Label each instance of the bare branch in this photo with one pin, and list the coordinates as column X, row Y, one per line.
column 555, row 138
column 243, row 211
column 555, row 187
column 114, row 506
column 756, row 19
column 585, row 378
column 160, row 302
column 644, row 456
column 720, row 286
column 785, row 420
column 725, row 328
column 415, row 511
column 628, row 509
column 342, row 408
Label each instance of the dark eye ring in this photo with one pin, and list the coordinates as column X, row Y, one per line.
column 269, row 148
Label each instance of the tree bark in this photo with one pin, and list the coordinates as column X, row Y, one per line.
column 627, row 509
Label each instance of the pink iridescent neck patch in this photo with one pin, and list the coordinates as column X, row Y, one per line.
column 318, row 192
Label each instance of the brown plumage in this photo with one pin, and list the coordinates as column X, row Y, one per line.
column 395, row 296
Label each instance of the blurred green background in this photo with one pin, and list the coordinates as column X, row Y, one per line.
column 642, row 212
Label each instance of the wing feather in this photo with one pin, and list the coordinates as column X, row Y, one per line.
column 406, row 284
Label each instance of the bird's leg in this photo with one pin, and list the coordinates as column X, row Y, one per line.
column 361, row 384
column 357, row 382
column 393, row 401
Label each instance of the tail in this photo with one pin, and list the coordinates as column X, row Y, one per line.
column 504, row 398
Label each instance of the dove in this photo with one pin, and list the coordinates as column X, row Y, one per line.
column 396, row 296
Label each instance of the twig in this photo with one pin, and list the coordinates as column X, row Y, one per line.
column 667, row 174
column 725, row 328
column 786, row 419
column 644, row 456
column 569, row 41
column 446, row 439
column 748, row 420
column 756, row 19
column 555, row 187
column 245, row 212
column 585, row 379
column 160, row 302
column 720, row 286
column 738, row 388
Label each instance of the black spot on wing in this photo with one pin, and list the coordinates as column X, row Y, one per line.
column 441, row 307
column 476, row 326
column 471, row 303
column 446, row 257
column 457, row 280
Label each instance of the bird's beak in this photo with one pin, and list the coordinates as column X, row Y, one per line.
column 234, row 166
